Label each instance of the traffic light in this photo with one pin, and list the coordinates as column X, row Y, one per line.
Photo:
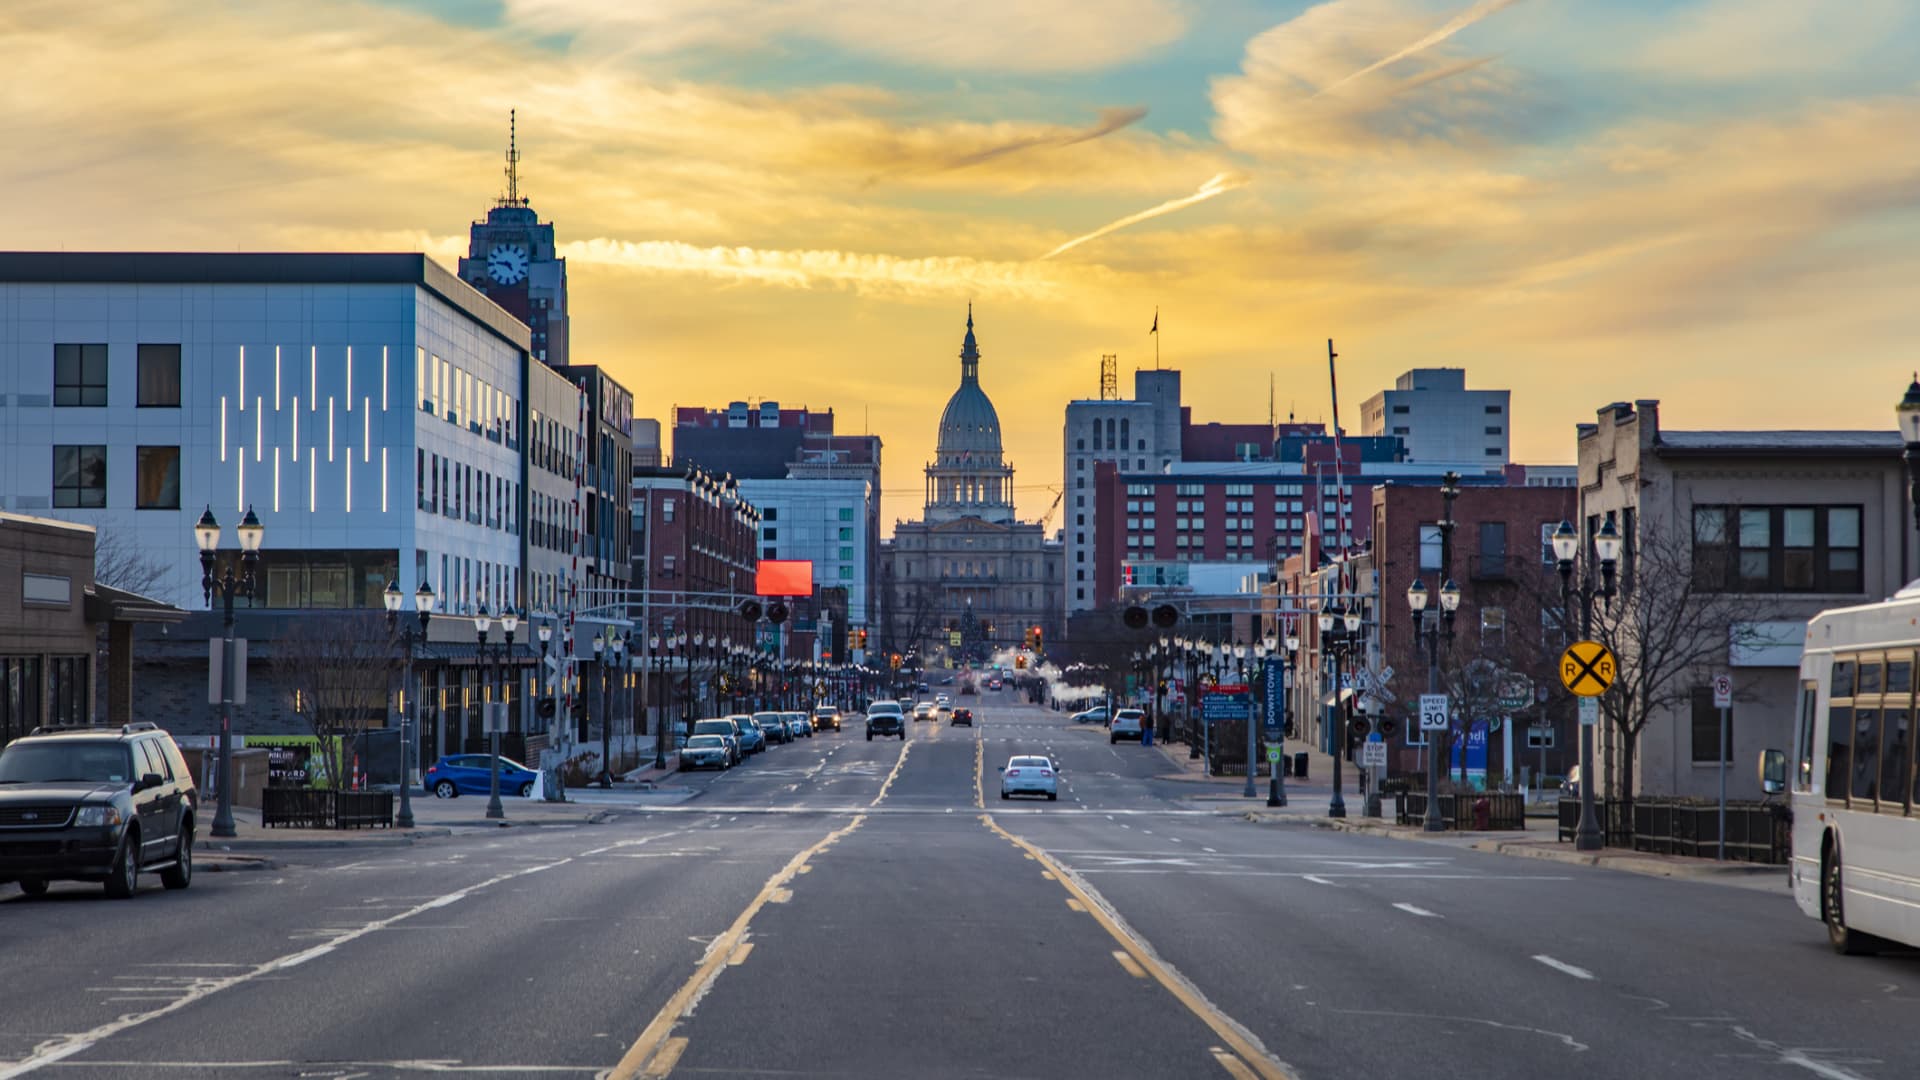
column 750, row 610
column 1020, row 662
column 1166, row 616
column 863, row 639
column 546, row 708
column 1135, row 617
column 1039, row 642
column 1026, row 638
column 776, row 612
column 894, row 661
column 853, row 640
column 1388, row 727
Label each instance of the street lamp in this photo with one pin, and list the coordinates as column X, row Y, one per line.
column 1430, row 631
column 228, row 583
column 606, row 715
column 1340, row 629
column 1277, row 784
column 482, row 622
column 1566, row 546
column 423, row 606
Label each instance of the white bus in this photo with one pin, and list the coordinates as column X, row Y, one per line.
column 1853, row 789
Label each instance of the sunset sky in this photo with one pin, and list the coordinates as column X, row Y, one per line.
column 1712, row 203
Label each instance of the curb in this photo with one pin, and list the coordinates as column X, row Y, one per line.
column 406, row 839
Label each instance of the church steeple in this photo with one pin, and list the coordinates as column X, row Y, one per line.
column 969, row 353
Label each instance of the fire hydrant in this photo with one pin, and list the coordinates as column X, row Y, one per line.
column 1482, row 813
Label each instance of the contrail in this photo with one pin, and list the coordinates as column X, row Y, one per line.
column 1453, row 26
column 1111, row 120
column 1218, row 185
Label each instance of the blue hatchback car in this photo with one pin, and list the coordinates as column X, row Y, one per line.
column 470, row 774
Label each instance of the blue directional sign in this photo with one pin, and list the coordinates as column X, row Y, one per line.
column 1275, row 676
column 1226, row 707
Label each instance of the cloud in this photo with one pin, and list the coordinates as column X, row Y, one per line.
column 956, row 35
column 863, row 273
column 1301, row 96
column 1743, row 39
column 1452, row 26
column 1111, row 120
column 1217, row 185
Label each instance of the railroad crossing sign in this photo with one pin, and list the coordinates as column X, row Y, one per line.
column 1587, row 668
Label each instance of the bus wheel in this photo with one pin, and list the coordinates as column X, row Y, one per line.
column 1833, row 906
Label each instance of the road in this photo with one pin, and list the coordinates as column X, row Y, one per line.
column 846, row 908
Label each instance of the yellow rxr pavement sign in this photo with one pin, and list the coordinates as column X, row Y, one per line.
column 1587, row 668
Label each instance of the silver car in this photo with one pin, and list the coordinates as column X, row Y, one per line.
column 1027, row 775
column 706, row 752
column 798, row 724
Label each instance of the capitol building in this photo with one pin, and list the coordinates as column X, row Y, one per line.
column 969, row 578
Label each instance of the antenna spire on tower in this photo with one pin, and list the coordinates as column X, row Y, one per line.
column 513, row 162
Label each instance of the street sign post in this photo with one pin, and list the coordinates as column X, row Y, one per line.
column 1273, row 754
column 1433, row 712
column 1723, row 691
column 1587, row 668
column 1723, row 700
column 1589, row 711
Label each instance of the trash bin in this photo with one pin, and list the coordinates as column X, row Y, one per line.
column 1300, row 765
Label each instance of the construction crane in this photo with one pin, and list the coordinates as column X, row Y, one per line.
column 1058, row 494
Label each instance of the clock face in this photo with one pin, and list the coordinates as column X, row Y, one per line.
column 507, row 263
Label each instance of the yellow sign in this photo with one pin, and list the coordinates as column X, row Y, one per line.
column 953, row 638
column 1587, row 668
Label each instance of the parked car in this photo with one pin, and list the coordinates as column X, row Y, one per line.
column 1127, row 724
column 1096, row 715
column 96, row 804
column 773, row 726
column 752, row 739
column 885, row 718
column 471, row 774
column 826, row 716
column 726, row 730
column 962, row 716
column 799, row 724
column 923, row 711
column 706, row 752
column 1029, row 776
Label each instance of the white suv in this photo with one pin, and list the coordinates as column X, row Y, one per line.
column 1127, row 724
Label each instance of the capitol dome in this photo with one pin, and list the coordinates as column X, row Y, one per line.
column 969, row 427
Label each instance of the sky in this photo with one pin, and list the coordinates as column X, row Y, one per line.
column 1714, row 203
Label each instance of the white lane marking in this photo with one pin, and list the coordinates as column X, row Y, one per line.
column 1210, row 851
column 1316, row 879
column 1563, row 966
column 1420, row 911
column 66, row 1046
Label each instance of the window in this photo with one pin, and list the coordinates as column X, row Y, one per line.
column 667, row 563
column 1079, row 444
column 79, row 375
column 1493, row 628
column 666, row 509
column 1493, row 410
column 158, row 484
column 1706, row 728
column 772, row 534
column 1493, row 546
column 1494, row 430
column 1803, row 741
column 1430, row 548
column 79, row 476
column 769, row 553
column 846, row 534
column 1493, row 451
column 846, row 573
column 1403, row 431
column 1539, row 738
column 1402, row 410
column 1777, row 549
column 846, row 553
column 158, row 377
column 771, row 513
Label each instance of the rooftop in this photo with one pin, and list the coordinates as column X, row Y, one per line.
column 1866, row 443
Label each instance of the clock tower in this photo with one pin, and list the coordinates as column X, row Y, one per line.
column 510, row 257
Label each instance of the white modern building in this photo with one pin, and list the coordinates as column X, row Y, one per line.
column 1138, row 435
column 1441, row 422
column 369, row 408
column 823, row 521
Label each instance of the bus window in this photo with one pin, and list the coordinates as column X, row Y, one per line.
column 1869, row 678
column 1842, row 679
column 1809, row 702
column 1839, row 729
column 1895, row 755
column 1866, row 751
column 1899, row 676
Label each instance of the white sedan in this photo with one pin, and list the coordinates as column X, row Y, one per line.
column 1030, row 776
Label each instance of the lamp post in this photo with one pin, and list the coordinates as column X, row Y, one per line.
column 1277, row 784
column 606, row 714
column 1429, row 628
column 482, row 622
column 229, row 583
column 1566, row 546
column 1340, row 629
column 423, row 606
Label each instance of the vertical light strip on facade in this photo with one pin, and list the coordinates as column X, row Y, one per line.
column 383, row 479
column 296, row 427
column 383, row 378
column 276, row 479
column 313, row 375
column 223, row 427
column 349, row 378
column 366, row 429
column 349, row 481
column 243, row 378
column 276, row 378
column 240, row 467
column 259, row 428
column 313, row 475
column 329, row 427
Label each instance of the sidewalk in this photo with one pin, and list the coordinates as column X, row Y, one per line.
column 432, row 818
column 1317, row 785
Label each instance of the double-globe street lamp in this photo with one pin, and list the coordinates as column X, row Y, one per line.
column 232, row 580
column 1276, row 784
column 423, row 607
column 660, row 650
column 1340, row 631
column 1429, row 628
column 1566, row 548
column 482, row 622
column 606, row 650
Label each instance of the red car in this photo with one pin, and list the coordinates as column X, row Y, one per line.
column 962, row 716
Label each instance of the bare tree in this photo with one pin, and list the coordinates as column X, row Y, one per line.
column 1668, row 628
column 338, row 669
column 120, row 563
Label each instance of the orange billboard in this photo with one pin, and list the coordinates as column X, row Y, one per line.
column 784, row 577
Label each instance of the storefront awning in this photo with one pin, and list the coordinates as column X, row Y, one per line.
column 1339, row 697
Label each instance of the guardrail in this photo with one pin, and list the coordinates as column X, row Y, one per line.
column 1756, row 832
column 310, row 808
column 1503, row 811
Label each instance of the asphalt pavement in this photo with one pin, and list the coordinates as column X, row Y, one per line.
column 844, row 908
